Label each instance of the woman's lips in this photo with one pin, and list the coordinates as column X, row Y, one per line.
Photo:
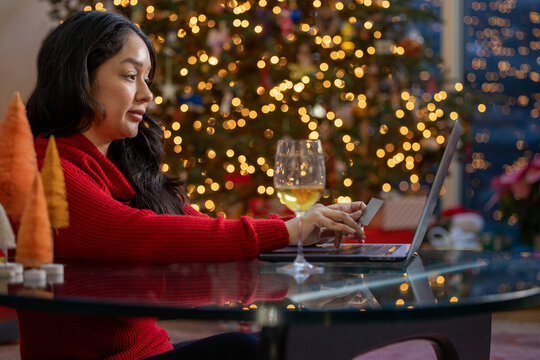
column 137, row 115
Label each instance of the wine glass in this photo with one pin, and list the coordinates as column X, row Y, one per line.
column 299, row 179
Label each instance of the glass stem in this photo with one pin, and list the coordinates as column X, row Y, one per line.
column 300, row 243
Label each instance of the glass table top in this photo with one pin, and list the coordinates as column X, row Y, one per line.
column 436, row 283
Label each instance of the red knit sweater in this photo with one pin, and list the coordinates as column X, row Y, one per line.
column 104, row 227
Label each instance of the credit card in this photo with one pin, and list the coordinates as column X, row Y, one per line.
column 369, row 212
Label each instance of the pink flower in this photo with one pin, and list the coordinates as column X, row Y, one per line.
column 533, row 174
column 504, row 181
column 518, row 182
column 521, row 188
column 517, row 193
column 514, row 176
column 535, row 162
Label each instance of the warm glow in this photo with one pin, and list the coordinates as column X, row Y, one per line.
column 209, row 204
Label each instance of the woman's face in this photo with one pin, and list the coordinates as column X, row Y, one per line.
column 120, row 87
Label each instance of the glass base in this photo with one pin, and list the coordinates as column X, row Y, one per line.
column 300, row 268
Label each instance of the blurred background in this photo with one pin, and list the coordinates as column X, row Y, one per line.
column 380, row 82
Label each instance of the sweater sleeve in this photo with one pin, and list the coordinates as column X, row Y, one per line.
column 106, row 229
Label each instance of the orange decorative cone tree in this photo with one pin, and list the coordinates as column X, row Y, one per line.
column 17, row 159
column 34, row 239
column 52, row 176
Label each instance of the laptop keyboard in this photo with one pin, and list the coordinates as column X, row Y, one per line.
column 366, row 249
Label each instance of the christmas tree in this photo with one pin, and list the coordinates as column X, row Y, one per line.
column 236, row 76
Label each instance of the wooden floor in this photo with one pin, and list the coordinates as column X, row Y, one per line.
column 529, row 315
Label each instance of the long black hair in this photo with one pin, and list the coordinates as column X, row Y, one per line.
column 61, row 103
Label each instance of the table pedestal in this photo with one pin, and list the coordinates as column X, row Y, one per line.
column 459, row 337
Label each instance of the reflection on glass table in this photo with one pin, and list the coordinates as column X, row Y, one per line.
column 435, row 279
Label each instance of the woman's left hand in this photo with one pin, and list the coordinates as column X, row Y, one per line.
column 354, row 209
column 326, row 221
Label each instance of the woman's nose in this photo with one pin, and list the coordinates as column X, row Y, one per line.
column 144, row 93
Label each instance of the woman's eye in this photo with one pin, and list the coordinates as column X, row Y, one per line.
column 131, row 77
column 148, row 82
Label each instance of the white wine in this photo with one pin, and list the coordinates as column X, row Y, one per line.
column 299, row 198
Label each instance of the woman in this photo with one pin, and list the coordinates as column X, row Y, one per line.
column 92, row 93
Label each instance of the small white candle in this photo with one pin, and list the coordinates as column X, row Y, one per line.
column 53, row 269
column 8, row 270
column 55, row 279
column 35, row 278
column 17, row 267
column 16, row 279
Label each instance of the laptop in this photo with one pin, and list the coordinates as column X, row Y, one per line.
column 402, row 253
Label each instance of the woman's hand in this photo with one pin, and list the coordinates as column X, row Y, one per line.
column 321, row 222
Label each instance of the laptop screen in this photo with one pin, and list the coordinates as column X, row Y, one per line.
column 436, row 187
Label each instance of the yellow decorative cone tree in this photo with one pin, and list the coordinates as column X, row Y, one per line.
column 34, row 239
column 17, row 159
column 52, row 176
